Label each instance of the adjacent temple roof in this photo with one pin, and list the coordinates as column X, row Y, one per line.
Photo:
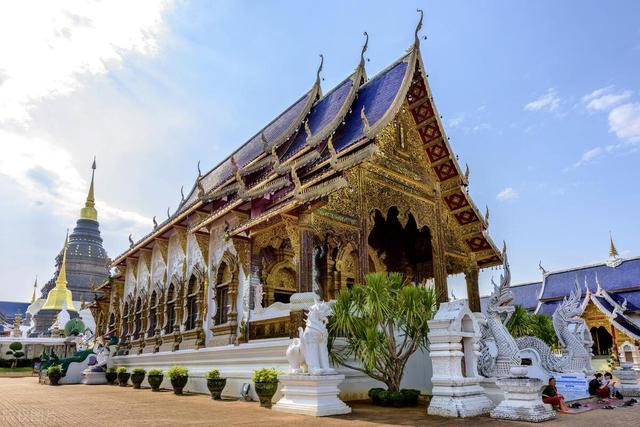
column 621, row 279
column 301, row 154
column 8, row 310
column 617, row 311
column 524, row 295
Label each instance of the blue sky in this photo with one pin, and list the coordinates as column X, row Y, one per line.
column 541, row 99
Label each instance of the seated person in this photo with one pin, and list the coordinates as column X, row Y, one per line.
column 551, row 396
column 613, row 390
column 597, row 388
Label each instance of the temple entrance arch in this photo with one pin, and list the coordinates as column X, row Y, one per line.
column 602, row 341
column 401, row 247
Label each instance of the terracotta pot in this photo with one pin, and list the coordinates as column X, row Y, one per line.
column 178, row 383
column 265, row 392
column 215, row 386
column 155, row 381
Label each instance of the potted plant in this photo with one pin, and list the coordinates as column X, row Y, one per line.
column 178, row 376
column 215, row 383
column 137, row 376
column 266, row 383
column 123, row 376
column 111, row 375
column 155, row 377
column 54, row 372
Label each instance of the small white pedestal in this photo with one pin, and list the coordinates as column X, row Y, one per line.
column 522, row 401
column 93, row 378
column 629, row 386
column 315, row 395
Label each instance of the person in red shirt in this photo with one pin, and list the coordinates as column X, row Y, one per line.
column 597, row 388
column 551, row 396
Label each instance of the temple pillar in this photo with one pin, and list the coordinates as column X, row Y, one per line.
column 305, row 260
column 439, row 257
column 473, row 292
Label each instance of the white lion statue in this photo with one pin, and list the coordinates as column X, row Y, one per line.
column 310, row 350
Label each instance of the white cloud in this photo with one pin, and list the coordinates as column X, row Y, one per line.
column 624, row 121
column 45, row 54
column 507, row 194
column 602, row 99
column 456, row 121
column 49, row 51
column 550, row 101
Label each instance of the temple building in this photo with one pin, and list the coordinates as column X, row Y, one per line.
column 357, row 179
column 610, row 292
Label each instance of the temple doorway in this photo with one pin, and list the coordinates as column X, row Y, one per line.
column 405, row 249
column 602, row 341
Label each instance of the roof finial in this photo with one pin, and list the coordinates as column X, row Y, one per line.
column 168, row 213
column 307, row 130
column 265, row 143
column 467, row 172
column 155, row 223
column 541, row 267
column 181, row 194
column 332, row 151
column 613, row 252
column 486, row 214
column 130, row 241
column 89, row 210
column 364, row 47
column 35, row 285
column 418, row 27
column 319, row 69
column 199, row 172
column 365, row 121
column 598, row 287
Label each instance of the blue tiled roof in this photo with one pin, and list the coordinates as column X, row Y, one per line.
column 624, row 276
column 632, row 297
column 322, row 113
column 525, row 295
column 627, row 324
column 376, row 96
column 548, row 307
column 8, row 309
column 252, row 148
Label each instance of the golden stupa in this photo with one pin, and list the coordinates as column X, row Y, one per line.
column 60, row 298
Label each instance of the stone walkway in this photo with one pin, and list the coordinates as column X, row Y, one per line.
column 24, row 402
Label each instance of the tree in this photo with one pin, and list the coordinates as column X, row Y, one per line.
column 15, row 350
column 519, row 324
column 381, row 324
column 522, row 324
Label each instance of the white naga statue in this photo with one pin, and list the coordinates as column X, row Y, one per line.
column 309, row 353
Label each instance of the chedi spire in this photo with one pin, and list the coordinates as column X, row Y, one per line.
column 89, row 211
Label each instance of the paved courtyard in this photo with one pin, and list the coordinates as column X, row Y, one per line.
column 24, row 402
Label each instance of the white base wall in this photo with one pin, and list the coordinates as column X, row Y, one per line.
column 237, row 363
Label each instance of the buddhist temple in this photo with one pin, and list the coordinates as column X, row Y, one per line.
column 356, row 179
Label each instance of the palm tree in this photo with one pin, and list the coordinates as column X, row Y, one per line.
column 519, row 324
column 381, row 324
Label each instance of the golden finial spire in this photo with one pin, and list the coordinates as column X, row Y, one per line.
column 613, row 252
column 89, row 211
column 35, row 285
column 60, row 297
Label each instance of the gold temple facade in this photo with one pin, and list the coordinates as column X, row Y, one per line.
column 358, row 180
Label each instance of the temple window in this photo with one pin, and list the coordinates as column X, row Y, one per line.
column 137, row 319
column 192, row 307
column 153, row 315
column 222, row 293
column 125, row 320
column 170, row 310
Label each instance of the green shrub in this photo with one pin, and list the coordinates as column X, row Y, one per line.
column 177, row 371
column 121, row 370
column 385, row 397
column 373, row 393
column 154, row 372
column 54, row 369
column 213, row 374
column 265, row 375
column 138, row 371
column 111, row 369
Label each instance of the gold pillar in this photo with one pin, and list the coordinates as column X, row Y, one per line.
column 473, row 293
column 439, row 257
